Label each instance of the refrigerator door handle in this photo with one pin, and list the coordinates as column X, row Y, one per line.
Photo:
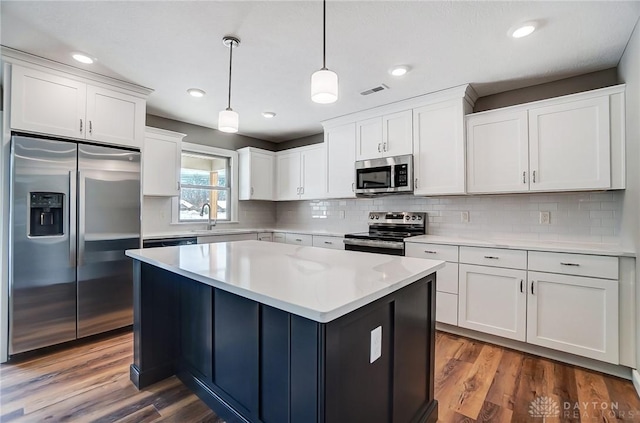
column 81, row 217
column 72, row 218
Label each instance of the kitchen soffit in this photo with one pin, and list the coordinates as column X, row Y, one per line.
column 172, row 46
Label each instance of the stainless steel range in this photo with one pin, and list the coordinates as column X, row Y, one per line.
column 387, row 231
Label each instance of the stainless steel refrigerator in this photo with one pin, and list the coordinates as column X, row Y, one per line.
column 74, row 209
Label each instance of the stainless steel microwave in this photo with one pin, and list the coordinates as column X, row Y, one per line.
column 384, row 176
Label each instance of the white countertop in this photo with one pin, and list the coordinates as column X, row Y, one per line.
column 552, row 246
column 317, row 283
column 189, row 233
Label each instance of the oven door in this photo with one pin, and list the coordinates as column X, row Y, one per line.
column 394, row 248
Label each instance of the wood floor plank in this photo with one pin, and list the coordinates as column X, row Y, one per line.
column 627, row 403
column 474, row 387
column 592, row 393
column 144, row 415
column 506, row 380
column 494, row 413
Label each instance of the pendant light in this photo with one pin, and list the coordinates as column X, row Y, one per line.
column 228, row 118
column 324, row 83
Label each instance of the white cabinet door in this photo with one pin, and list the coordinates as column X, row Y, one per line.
column 439, row 149
column 256, row 172
column 570, row 146
column 574, row 314
column 447, row 308
column 161, row 163
column 493, row 300
column 340, row 145
column 497, row 152
column 369, row 139
column 288, row 176
column 397, row 134
column 115, row 117
column 46, row 103
column 313, row 173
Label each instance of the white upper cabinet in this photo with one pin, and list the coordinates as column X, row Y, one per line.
column 340, row 146
column 497, row 152
column 439, row 148
column 114, row 117
column 161, row 157
column 569, row 146
column 256, row 174
column 47, row 102
column 369, row 139
column 288, row 175
column 386, row 136
column 567, row 143
column 300, row 173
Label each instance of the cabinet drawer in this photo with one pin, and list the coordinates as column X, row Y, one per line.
column 265, row 236
column 299, row 239
column 447, row 278
column 574, row 264
column 447, row 308
column 333, row 242
column 279, row 237
column 497, row 257
column 432, row 251
column 226, row 238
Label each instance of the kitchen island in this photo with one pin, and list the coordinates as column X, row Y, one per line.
column 267, row 332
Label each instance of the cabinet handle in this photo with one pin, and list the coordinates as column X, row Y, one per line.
column 521, row 286
column 384, row 146
column 328, row 242
column 80, row 125
column 251, row 190
column 379, row 147
column 524, row 177
column 416, row 183
column 298, row 240
column 532, row 293
column 491, row 257
column 298, row 190
column 353, row 186
column 301, row 190
column 90, row 127
column 570, row 264
column 534, row 176
column 178, row 185
column 430, row 252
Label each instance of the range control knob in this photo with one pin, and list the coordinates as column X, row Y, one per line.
column 377, row 217
column 419, row 217
column 371, row 217
column 406, row 218
column 413, row 218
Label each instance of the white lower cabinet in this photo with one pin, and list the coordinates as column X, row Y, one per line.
column 265, row 236
column 279, row 237
column 325, row 241
column 299, row 239
column 493, row 300
column 227, row 238
column 446, row 308
column 574, row 314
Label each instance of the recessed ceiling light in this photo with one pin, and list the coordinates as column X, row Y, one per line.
column 522, row 30
column 399, row 70
column 196, row 92
column 269, row 115
column 82, row 58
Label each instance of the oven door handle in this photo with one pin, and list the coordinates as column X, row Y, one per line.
column 395, row 245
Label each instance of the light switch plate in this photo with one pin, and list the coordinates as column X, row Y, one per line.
column 464, row 217
column 376, row 344
column 545, row 217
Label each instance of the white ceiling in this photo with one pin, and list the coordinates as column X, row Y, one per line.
column 170, row 46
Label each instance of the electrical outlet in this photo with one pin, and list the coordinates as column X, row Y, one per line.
column 341, row 214
column 376, row 344
column 545, row 217
column 464, row 217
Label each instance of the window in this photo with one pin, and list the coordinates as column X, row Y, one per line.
column 206, row 177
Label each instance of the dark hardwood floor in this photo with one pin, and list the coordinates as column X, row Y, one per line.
column 475, row 382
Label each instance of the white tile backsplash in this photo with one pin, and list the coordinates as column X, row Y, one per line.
column 582, row 217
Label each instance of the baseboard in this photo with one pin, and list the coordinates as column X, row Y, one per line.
column 588, row 363
column 635, row 378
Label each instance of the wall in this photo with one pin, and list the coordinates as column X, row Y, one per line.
column 576, row 84
column 587, row 217
column 207, row 136
column 300, row 142
column 629, row 73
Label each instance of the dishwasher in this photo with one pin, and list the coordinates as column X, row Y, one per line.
column 169, row 242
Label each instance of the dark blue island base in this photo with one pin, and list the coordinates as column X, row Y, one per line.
column 253, row 363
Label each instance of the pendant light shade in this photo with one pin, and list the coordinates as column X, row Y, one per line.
column 228, row 119
column 324, row 83
column 324, row 86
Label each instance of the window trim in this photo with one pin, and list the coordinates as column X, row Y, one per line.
column 233, row 182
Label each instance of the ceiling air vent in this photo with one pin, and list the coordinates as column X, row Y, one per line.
column 379, row 88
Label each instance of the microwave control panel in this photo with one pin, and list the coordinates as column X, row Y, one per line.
column 402, row 175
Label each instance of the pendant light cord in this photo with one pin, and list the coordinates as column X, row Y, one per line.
column 230, row 62
column 324, row 34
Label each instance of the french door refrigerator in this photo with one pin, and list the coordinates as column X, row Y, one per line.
column 74, row 209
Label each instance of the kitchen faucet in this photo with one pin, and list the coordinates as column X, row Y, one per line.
column 210, row 224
